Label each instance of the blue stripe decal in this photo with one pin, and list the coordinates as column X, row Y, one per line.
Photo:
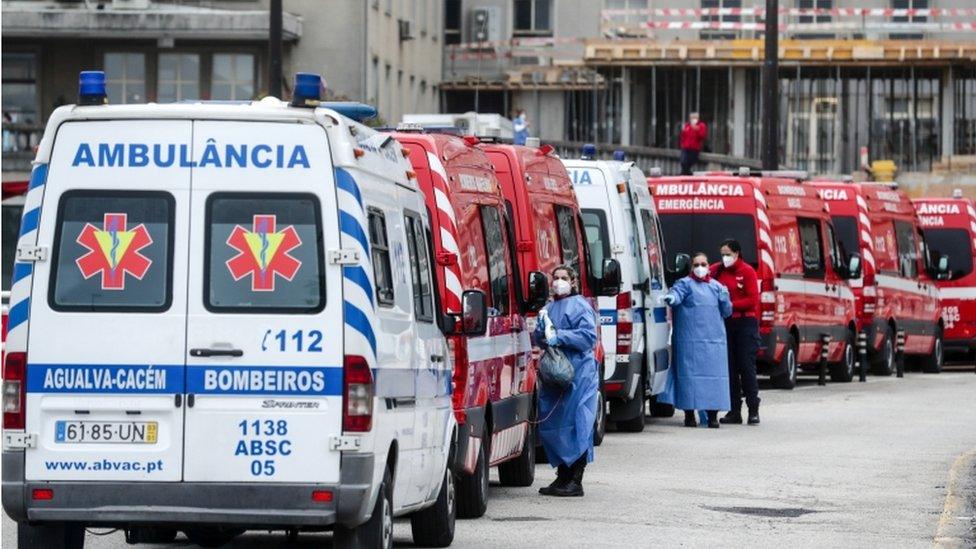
column 38, row 176
column 660, row 314
column 29, row 222
column 21, row 271
column 349, row 225
column 345, row 181
column 105, row 378
column 264, row 380
column 608, row 317
column 358, row 275
column 358, row 321
column 18, row 315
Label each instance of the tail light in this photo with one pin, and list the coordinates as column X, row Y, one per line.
column 357, row 391
column 14, row 387
column 625, row 324
column 767, row 308
column 459, row 377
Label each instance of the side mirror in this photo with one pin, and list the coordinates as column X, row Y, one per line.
column 854, row 266
column 682, row 266
column 609, row 283
column 538, row 292
column 474, row 313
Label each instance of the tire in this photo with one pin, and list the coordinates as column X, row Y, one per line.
column 884, row 363
column 472, row 490
column 434, row 526
column 843, row 372
column 636, row 423
column 57, row 535
column 521, row 470
column 788, row 366
column 212, row 536
column 600, row 425
column 375, row 533
column 932, row 363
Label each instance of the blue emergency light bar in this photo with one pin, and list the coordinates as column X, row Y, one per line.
column 308, row 90
column 360, row 112
column 91, row 88
column 619, row 155
column 589, row 151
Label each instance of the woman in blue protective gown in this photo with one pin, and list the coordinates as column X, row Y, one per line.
column 699, row 376
column 567, row 416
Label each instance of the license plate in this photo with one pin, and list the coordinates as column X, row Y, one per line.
column 106, row 432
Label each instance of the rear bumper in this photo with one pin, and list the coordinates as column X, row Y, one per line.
column 468, row 439
column 628, row 374
column 237, row 504
column 771, row 346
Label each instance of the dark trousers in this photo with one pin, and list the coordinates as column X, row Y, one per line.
column 743, row 336
column 688, row 160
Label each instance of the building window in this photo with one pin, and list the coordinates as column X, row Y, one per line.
column 19, row 89
column 452, row 21
column 422, row 16
column 179, row 77
column 125, row 74
column 906, row 19
column 815, row 18
column 634, row 11
column 233, row 77
column 533, row 18
column 720, row 34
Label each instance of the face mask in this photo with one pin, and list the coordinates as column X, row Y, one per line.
column 701, row 272
column 728, row 260
column 561, row 287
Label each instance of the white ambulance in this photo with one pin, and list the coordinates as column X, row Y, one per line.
column 620, row 223
column 223, row 318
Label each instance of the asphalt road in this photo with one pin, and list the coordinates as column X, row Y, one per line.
column 887, row 463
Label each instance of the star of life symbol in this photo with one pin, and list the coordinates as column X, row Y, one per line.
column 114, row 251
column 263, row 253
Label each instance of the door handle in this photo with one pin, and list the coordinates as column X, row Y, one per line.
column 216, row 352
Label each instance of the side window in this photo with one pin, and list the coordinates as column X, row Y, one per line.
column 907, row 249
column 264, row 253
column 113, row 252
column 380, row 251
column 419, row 268
column 568, row 240
column 653, row 250
column 595, row 228
column 811, row 247
column 496, row 252
column 833, row 249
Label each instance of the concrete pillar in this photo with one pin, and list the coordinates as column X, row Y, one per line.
column 947, row 101
column 626, row 117
column 640, row 120
column 739, row 103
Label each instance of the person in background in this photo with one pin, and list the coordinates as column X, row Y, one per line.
column 693, row 134
column 742, row 330
column 699, row 379
column 520, row 127
column 566, row 417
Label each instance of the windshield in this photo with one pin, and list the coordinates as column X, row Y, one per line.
column 845, row 228
column 690, row 233
column 11, row 229
column 953, row 243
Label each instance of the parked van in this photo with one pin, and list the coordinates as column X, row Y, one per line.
column 225, row 321
column 620, row 223
column 548, row 231
column 494, row 375
column 897, row 292
column 949, row 225
column 787, row 236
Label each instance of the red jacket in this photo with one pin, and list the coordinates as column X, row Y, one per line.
column 743, row 286
column 692, row 138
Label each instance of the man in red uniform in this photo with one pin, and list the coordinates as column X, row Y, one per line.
column 742, row 330
column 693, row 134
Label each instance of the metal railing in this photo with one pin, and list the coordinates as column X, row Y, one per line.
column 19, row 141
column 668, row 160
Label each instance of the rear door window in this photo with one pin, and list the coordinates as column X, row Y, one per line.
column 113, row 252
column 497, row 268
column 264, row 253
column 419, row 268
column 652, row 239
column 811, row 246
column 379, row 247
column 907, row 249
column 568, row 240
column 690, row 233
column 598, row 238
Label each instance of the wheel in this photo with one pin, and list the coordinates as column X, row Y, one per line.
column 212, row 536
column 375, row 533
column 434, row 526
column 54, row 535
column 884, row 363
column 521, row 470
column 472, row 490
column 600, row 425
column 932, row 364
column 788, row 366
column 843, row 372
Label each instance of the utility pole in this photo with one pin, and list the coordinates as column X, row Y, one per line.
column 770, row 86
column 274, row 50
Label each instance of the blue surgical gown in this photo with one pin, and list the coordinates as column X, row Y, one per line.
column 699, row 378
column 568, row 416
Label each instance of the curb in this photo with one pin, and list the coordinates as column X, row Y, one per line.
column 957, row 523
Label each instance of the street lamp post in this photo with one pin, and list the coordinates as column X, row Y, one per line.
column 274, row 50
column 770, row 85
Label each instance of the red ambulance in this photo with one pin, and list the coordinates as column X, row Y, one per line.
column 494, row 374
column 539, row 197
column 949, row 225
column 786, row 235
column 897, row 292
